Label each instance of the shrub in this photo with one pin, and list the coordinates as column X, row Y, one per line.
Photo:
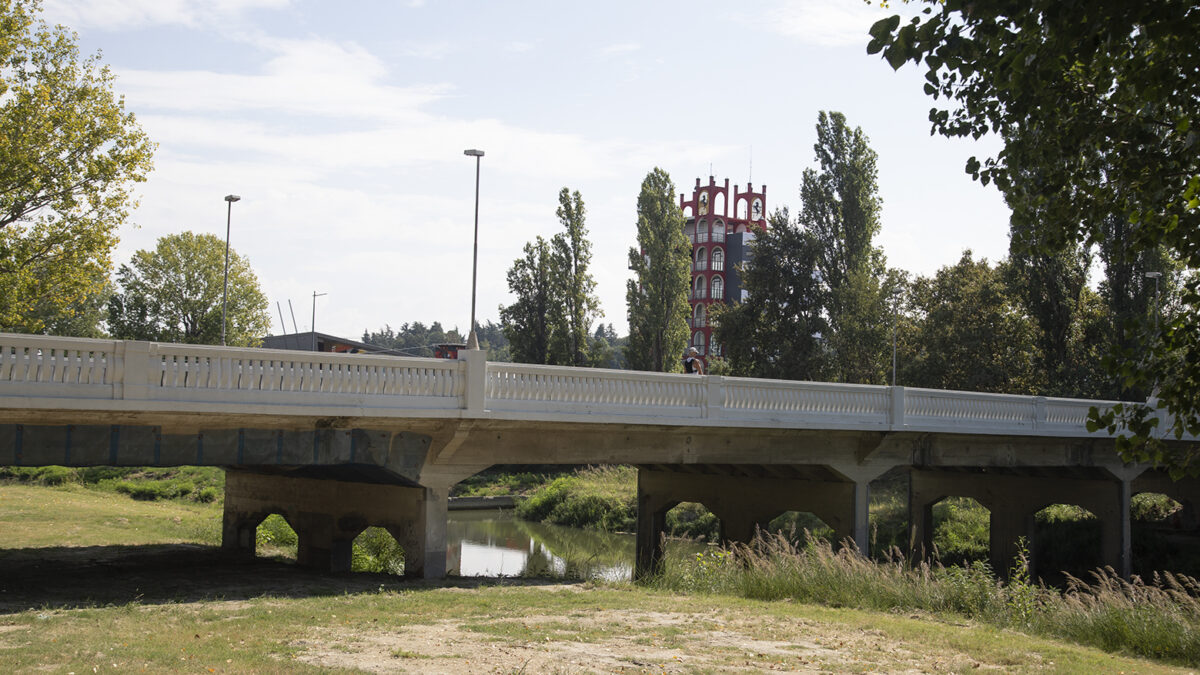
column 376, row 551
column 276, row 532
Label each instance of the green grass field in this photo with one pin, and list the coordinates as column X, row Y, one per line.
column 99, row 582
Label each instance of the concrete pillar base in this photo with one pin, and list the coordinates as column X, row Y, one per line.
column 743, row 504
column 327, row 515
column 1013, row 502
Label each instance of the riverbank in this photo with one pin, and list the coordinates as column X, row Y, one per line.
column 93, row 582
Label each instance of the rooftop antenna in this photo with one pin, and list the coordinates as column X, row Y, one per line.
column 750, row 180
column 295, row 329
column 282, row 325
column 710, row 169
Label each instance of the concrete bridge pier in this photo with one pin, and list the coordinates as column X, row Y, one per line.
column 1014, row 501
column 327, row 515
column 745, row 501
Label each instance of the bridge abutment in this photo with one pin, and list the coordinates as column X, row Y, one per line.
column 328, row 514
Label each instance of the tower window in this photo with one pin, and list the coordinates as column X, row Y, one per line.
column 718, row 288
column 718, row 259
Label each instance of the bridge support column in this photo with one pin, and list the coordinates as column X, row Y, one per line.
column 1014, row 502
column 327, row 515
column 742, row 503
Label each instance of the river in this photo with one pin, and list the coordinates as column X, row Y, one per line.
column 497, row 543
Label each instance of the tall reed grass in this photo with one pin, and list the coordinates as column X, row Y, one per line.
column 1158, row 619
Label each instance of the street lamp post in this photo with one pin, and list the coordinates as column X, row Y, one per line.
column 230, row 199
column 473, row 340
column 314, row 319
column 1155, row 276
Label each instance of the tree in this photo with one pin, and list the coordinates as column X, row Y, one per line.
column 1098, row 106
column 968, row 334
column 174, row 294
column 575, row 303
column 657, row 296
column 69, row 156
column 526, row 322
column 841, row 207
column 778, row 330
column 1049, row 285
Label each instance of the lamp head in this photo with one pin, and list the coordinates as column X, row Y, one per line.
column 473, row 153
column 1153, row 275
column 232, row 198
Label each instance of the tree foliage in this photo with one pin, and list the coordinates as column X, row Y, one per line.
column 69, row 156
column 1098, row 105
column 576, row 302
column 965, row 331
column 657, row 296
column 527, row 321
column 777, row 331
column 556, row 295
column 841, row 208
column 174, row 294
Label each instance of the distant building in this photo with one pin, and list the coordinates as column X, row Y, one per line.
column 720, row 226
column 305, row 342
column 324, row 342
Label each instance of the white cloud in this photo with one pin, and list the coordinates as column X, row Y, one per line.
column 115, row 14
column 826, row 23
column 305, row 77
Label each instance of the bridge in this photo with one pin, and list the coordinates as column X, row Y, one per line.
column 336, row 443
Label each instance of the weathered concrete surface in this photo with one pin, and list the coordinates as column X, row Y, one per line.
column 327, row 515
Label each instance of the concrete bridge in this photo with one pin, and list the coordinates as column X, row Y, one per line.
column 337, row 443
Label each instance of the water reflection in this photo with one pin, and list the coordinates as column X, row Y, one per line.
column 496, row 543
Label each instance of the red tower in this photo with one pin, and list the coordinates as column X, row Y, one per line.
column 720, row 229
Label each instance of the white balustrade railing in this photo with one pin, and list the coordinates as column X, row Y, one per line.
column 84, row 368
column 80, row 368
column 807, row 402
column 522, row 387
column 42, row 367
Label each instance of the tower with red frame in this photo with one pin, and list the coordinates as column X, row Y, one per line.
column 720, row 226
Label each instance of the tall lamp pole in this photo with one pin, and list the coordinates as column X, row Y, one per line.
column 473, row 340
column 230, row 199
column 1155, row 276
column 314, row 319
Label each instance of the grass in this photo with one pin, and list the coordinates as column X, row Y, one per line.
column 272, row 618
column 1159, row 619
column 71, row 515
column 203, row 484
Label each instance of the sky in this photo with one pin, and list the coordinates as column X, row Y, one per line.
column 342, row 128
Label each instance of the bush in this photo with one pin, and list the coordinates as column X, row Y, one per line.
column 598, row 498
column 276, row 532
column 376, row 551
column 41, row 475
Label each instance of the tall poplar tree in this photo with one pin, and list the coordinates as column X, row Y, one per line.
column 526, row 322
column 841, row 207
column 657, row 296
column 575, row 302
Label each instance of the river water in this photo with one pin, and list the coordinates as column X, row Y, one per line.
column 497, row 543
